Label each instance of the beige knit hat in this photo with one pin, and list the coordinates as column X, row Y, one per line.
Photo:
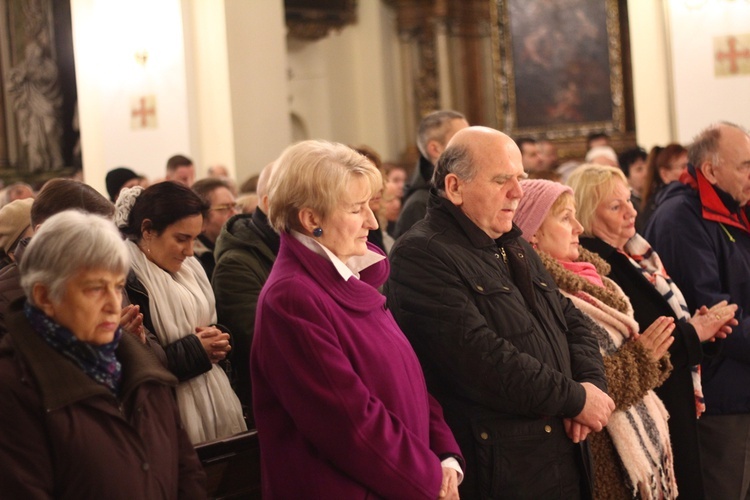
column 15, row 218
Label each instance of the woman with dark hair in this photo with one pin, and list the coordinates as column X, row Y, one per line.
column 178, row 305
column 664, row 165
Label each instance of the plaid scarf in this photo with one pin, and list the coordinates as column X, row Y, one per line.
column 97, row 361
column 647, row 261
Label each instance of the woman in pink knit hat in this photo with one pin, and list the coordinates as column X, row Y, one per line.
column 633, row 456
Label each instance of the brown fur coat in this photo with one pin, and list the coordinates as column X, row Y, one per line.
column 625, row 454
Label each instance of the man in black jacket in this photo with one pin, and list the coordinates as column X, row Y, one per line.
column 435, row 130
column 511, row 360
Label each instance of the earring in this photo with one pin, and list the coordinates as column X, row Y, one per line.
column 318, row 232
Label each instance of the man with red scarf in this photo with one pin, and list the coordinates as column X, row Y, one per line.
column 701, row 231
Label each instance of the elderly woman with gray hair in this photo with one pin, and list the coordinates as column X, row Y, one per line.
column 87, row 411
column 608, row 218
column 340, row 401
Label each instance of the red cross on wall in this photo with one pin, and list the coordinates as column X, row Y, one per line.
column 733, row 55
column 143, row 112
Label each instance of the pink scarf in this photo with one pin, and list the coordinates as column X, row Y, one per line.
column 584, row 270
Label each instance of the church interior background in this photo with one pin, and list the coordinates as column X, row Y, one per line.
column 96, row 84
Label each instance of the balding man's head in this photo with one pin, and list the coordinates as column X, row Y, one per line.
column 479, row 172
column 461, row 156
column 722, row 153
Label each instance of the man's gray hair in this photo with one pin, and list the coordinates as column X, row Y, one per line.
column 456, row 159
column 705, row 145
column 434, row 127
column 67, row 243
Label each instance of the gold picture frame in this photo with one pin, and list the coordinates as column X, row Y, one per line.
column 559, row 68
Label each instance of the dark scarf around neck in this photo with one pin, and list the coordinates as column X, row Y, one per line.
column 97, row 361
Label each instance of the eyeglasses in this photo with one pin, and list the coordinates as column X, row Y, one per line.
column 226, row 207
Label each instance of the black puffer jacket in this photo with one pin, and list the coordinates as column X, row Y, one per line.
column 506, row 368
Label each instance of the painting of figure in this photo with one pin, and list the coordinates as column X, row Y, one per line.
column 558, row 62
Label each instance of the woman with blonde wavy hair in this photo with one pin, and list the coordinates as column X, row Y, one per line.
column 339, row 397
column 608, row 219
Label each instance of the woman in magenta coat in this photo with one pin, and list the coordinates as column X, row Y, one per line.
column 339, row 397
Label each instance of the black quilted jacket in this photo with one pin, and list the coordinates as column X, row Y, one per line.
column 506, row 367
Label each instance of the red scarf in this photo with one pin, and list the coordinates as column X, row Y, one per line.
column 714, row 209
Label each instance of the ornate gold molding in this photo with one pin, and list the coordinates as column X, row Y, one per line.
column 314, row 19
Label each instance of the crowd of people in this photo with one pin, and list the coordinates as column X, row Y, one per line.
column 499, row 325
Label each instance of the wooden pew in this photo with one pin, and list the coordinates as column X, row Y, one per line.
column 232, row 466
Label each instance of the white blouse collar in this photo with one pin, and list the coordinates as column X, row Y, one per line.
column 347, row 269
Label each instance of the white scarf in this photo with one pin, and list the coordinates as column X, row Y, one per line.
column 178, row 303
column 640, row 433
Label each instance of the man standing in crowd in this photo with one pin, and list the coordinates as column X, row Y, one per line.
column 707, row 213
column 180, row 169
column 512, row 362
column 245, row 252
column 548, row 152
column 221, row 206
column 530, row 158
column 435, row 130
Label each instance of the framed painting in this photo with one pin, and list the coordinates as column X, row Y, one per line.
column 558, row 67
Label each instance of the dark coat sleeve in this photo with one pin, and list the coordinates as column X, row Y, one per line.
column 649, row 305
column 237, row 285
column 413, row 211
column 433, row 307
column 702, row 284
column 585, row 358
column 185, row 357
column 26, row 469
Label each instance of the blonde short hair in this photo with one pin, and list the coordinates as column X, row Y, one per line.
column 315, row 175
column 591, row 183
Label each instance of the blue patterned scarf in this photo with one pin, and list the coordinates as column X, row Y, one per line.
column 97, row 361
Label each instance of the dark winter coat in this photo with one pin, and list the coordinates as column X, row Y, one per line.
column 416, row 195
column 10, row 285
column 717, row 267
column 245, row 252
column 503, row 351
column 65, row 436
column 677, row 391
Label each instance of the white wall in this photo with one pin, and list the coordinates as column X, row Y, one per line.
column 650, row 62
column 702, row 98
column 345, row 87
column 106, row 36
column 259, row 89
column 207, row 64
column 216, row 67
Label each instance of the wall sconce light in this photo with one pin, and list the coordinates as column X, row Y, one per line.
column 141, row 56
